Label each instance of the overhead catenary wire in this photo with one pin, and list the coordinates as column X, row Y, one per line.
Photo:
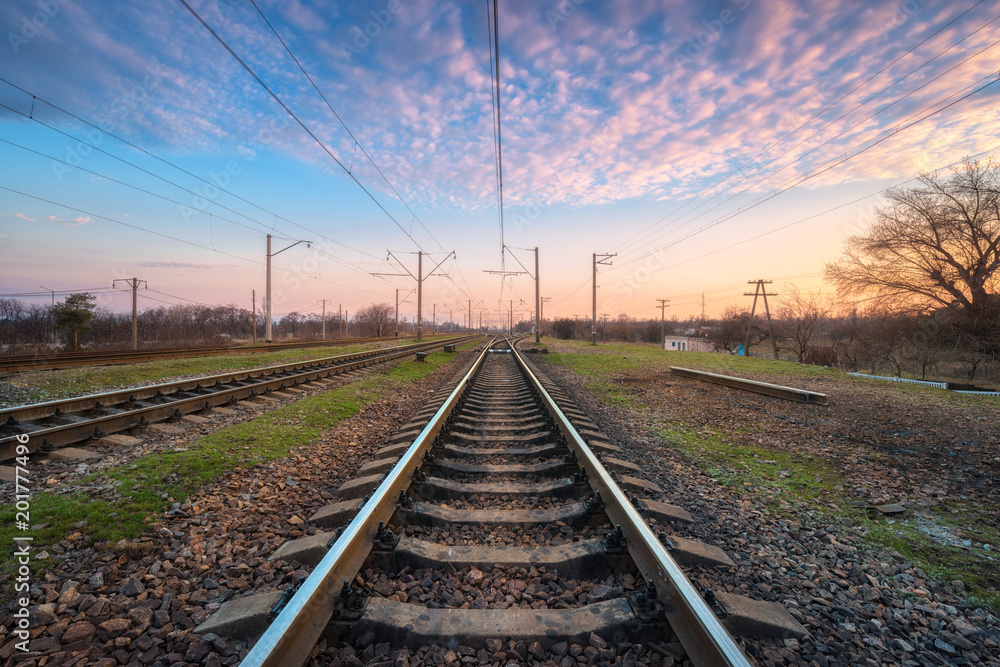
column 818, row 171
column 182, row 170
column 815, row 116
column 172, row 238
column 319, row 142
column 357, row 143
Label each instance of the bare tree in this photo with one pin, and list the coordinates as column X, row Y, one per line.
column 732, row 329
column 933, row 246
column 800, row 317
column 374, row 320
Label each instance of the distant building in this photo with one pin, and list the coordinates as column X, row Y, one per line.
column 686, row 344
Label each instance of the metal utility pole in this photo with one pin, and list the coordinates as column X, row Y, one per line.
column 267, row 324
column 470, row 314
column 347, row 330
column 663, row 309
column 134, row 284
column 538, row 302
column 541, row 315
column 510, row 320
column 253, row 313
column 52, row 327
column 434, row 319
column 759, row 290
column 397, row 309
column 323, row 301
column 604, row 259
column 703, row 308
column 420, row 282
column 451, row 320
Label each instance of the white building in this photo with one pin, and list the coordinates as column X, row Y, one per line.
column 686, row 344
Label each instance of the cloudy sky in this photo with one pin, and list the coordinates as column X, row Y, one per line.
column 706, row 143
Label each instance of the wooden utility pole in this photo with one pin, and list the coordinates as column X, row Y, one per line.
column 604, row 259
column 759, row 290
column 663, row 309
column 134, row 284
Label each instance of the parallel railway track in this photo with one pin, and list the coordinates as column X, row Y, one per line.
column 41, row 362
column 59, row 423
column 496, row 528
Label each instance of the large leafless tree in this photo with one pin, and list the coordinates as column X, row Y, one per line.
column 934, row 246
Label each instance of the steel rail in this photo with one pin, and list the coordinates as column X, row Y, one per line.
column 776, row 390
column 290, row 638
column 705, row 639
column 132, row 415
column 41, row 362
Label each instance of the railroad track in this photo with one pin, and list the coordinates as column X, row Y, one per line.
column 495, row 531
column 41, row 362
column 59, row 423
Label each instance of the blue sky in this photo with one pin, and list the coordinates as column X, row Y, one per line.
column 672, row 133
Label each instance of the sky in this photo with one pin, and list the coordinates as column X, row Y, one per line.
column 702, row 144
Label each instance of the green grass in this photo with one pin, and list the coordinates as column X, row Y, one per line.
column 788, row 483
column 179, row 475
column 974, row 566
column 785, row 483
column 587, row 359
column 789, row 477
column 62, row 383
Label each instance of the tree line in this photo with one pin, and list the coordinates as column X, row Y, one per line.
column 78, row 323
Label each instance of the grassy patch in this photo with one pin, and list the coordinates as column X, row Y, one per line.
column 943, row 560
column 587, row 359
column 789, row 476
column 139, row 486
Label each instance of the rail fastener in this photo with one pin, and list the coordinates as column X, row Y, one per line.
column 776, row 390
